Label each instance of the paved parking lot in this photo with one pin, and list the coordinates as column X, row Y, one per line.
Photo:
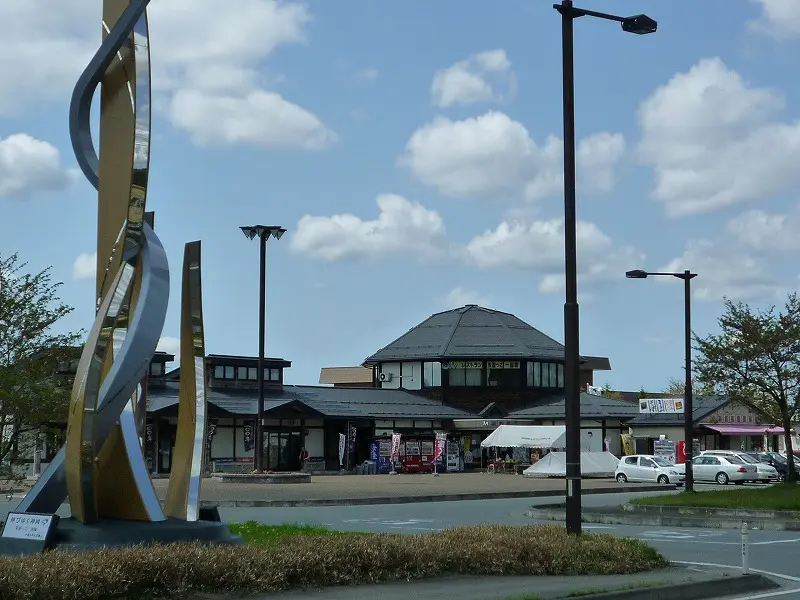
column 342, row 487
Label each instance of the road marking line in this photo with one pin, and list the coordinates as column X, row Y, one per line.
column 769, row 594
column 769, row 573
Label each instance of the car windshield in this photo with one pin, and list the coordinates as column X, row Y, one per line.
column 778, row 458
column 662, row 462
column 734, row 460
column 748, row 459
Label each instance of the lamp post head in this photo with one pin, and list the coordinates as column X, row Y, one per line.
column 257, row 231
column 639, row 24
column 636, row 274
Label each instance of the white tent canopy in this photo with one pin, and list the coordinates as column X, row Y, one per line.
column 527, row 436
column 593, row 464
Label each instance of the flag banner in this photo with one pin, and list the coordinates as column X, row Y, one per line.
column 395, row 446
column 248, row 437
column 438, row 449
column 342, row 446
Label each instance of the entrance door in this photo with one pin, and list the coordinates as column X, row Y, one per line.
column 283, row 450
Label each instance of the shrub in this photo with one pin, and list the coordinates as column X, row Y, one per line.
column 318, row 560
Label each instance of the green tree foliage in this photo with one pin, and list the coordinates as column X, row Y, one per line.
column 34, row 390
column 755, row 360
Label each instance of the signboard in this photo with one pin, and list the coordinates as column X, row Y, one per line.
column 28, row 526
column 661, row 406
column 502, row 364
column 395, row 447
column 342, row 445
column 463, row 364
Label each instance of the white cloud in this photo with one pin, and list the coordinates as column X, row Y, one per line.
column 170, row 345
column 401, row 226
column 492, row 155
column 714, row 140
column 28, row 165
column 539, row 246
column 45, row 47
column 479, row 78
column 722, row 271
column 207, row 56
column 259, row 118
column 765, row 232
column 779, row 18
column 461, row 297
column 85, row 266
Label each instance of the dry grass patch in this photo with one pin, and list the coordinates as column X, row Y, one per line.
column 318, row 560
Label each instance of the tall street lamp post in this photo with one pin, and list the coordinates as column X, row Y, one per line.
column 688, row 421
column 263, row 233
column 639, row 24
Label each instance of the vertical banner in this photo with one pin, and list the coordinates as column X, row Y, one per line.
column 248, row 436
column 212, row 429
column 351, row 445
column 438, row 449
column 342, row 446
column 627, row 444
column 149, row 445
column 395, row 446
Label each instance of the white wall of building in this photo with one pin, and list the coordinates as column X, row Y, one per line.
column 392, row 369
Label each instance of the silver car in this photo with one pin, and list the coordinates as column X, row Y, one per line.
column 766, row 473
column 723, row 469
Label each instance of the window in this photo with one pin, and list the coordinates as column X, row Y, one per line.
column 274, row 374
column 534, row 375
column 500, row 373
column 646, row 462
column 242, row 373
column 252, row 373
column 432, row 374
column 546, row 375
column 156, row 369
column 224, row 372
column 630, row 460
column 465, row 373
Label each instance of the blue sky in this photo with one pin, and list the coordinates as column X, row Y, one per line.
column 412, row 149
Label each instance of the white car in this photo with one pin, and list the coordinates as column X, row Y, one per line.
column 646, row 467
column 766, row 473
column 723, row 469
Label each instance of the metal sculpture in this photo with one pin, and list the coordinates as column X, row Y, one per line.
column 101, row 469
column 183, row 495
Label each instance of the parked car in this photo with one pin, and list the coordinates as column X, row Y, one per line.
column 646, row 467
column 774, row 460
column 723, row 469
column 766, row 473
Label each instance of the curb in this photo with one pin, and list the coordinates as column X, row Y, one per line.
column 422, row 499
column 766, row 520
column 701, row 590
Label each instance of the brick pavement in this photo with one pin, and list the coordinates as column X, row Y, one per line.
column 375, row 489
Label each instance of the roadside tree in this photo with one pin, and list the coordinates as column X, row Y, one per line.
column 755, row 361
column 34, row 385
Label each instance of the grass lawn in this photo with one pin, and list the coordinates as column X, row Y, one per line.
column 781, row 496
column 289, row 557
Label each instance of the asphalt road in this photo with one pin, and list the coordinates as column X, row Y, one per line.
column 773, row 552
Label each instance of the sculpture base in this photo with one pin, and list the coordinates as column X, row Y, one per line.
column 71, row 535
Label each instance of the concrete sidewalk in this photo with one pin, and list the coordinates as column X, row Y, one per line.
column 388, row 489
column 668, row 584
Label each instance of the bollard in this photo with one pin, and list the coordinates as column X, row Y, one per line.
column 745, row 550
